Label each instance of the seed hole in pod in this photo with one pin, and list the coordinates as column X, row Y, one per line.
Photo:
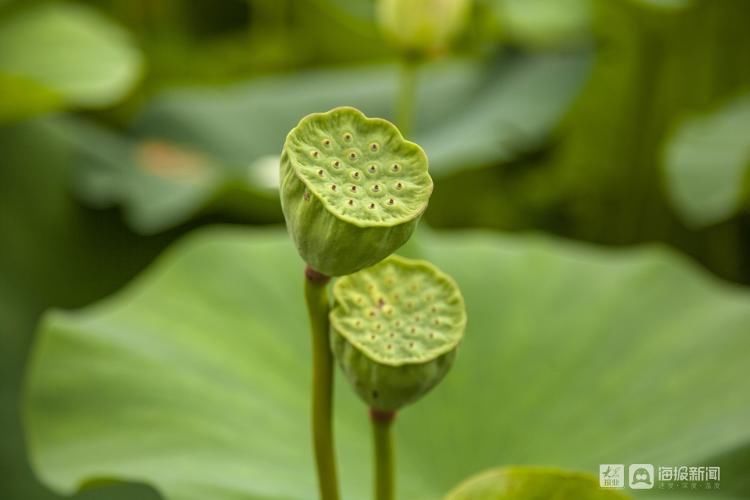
column 413, row 330
column 315, row 153
column 417, row 318
column 413, row 288
column 306, row 195
column 431, row 335
column 372, row 169
column 354, row 189
column 395, row 167
column 355, row 175
column 391, row 201
column 372, row 337
column 347, row 137
column 320, row 173
column 399, row 185
column 378, row 326
column 389, row 347
column 381, row 302
column 376, row 188
column 375, row 394
column 326, row 142
column 396, row 296
column 391, row 335
column 411, row 344
column 398, row 323
column 370, row 287
column 374, row 147
column 409, row 304
column 333, row 187
column 353, row 156
column 336, row 164
column 359, row 299
column 434, row 309
column 350, row 202
column 372, row 205
column 358, row 323
column 372, row 313
column 437, row 321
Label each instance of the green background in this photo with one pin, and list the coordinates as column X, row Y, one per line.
column 590, row 160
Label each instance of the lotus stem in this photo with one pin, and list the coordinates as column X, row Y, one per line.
column 407, row 96
column 382, row 422
column 318, row 306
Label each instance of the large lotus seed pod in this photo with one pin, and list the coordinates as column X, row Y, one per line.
column 352, row 189
column 422, row 27
column 395, row 328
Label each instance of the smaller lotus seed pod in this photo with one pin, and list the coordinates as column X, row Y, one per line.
column 395, row 328
column 422, row 26
column 352, row 189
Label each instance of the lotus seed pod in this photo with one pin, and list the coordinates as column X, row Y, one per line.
column 395, row 328
column 352, row 189
column 422, row 26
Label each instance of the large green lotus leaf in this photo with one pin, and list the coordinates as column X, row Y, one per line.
column 160, row 183
column 52, row 253
column 520, row 100
column 515, row 114
column 543, row 22
column 57, row 54
column 195, row 379
column 221, row 147
column 707, row 162
column 196, row 151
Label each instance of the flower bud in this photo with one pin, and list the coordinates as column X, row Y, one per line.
column 352, row 189
column 395, row 328
column 422, row 26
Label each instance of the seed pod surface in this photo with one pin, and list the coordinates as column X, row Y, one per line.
column 352, row 189
column 395, row 328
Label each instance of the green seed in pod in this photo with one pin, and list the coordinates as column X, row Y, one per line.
column 352, row 189
column 395, row 328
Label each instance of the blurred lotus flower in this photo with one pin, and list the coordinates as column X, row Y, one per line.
column 422, row 27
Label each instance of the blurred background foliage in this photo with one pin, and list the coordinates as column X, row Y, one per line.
column 126, row 123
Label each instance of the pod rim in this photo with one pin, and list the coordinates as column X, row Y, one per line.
column 409, row 216
column 339, row 310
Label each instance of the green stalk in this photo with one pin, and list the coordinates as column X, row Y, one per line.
column 383, row 443
column 407, row 95
column 316, row 296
